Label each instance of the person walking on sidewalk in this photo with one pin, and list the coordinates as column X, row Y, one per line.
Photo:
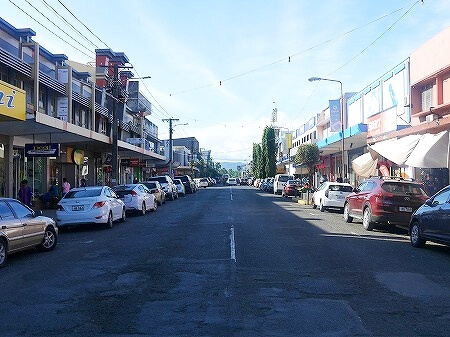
column 25, row 193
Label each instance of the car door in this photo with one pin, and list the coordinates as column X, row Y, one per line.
column 145, row 196
column 33, row 227
column 439, row 221
column 355, row 199
column 11, row 227
column 115, row 204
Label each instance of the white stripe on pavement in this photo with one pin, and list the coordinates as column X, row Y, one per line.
column 232, row 245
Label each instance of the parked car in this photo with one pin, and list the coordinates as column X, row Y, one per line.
column 137, row 198
column 156, row 189
column 180, row 187
column 291, row 189
column 431, row 221
column 384, row 200
column 279, row 182
column 90, row 205
column 22, row 228
column 331, row 195
column 232, row 182
column 202, row 182
column 167, row 185
column 188, row 183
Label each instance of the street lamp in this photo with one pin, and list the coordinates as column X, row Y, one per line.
column 312, row 79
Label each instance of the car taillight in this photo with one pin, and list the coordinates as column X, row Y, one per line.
column 156, row 191
column 134, row 193
column 382, row 198
column 99, row 204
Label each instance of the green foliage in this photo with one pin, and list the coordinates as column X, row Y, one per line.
column 308, row 155
column 256, row 162
column 268, row 153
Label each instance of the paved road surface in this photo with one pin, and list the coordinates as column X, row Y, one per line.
column 229, row 262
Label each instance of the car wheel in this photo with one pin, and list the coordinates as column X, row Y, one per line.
column 347, row 216
column 155, row 206
column 321, row 206
column 367, row 219
column 122, row 219
column 414, row 234
column 176, row 195
column 49, row 241
column 109, row 223
column 3, row 253
column 144, row 209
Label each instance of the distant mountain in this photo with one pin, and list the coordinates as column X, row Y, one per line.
column 231, row 165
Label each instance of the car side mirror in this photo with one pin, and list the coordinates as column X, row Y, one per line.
column 429, row 202
column 37, row 213
column 355, row 190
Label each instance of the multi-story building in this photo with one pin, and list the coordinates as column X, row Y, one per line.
column 57, row 122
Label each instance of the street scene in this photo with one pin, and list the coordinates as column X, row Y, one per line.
column 225, row 168
column 229, row 261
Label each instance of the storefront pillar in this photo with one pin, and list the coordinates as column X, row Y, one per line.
column 9, row 154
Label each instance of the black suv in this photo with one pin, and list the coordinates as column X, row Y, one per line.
column 188, row 183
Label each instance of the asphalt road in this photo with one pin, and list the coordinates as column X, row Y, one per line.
column 229, row 262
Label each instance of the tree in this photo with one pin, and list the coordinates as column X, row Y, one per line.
column 268, row 153
column 308, row 155
column 256, row 162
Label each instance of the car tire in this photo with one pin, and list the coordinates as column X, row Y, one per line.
column 143, row 208
column 49, row 241
column 3, row 253
column 414, row 235
column 321, row 206
column 109, row 223
column 347, row 216
column 367, row 219
column 124, row 216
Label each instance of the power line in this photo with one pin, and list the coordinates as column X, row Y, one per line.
column 68, row 23
column 54, row 24
column 82, row 23
column 59, row 37
column 288, row 58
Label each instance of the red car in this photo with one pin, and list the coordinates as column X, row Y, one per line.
column 291, row 189
column 384, row 200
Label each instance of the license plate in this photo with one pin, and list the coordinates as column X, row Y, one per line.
column 405, row 209
column 340, row 197
column 78, row 208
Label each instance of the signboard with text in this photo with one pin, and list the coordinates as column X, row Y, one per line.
column 42, row 150
column 12, row 102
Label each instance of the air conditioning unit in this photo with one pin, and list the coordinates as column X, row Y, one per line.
column 431, row 117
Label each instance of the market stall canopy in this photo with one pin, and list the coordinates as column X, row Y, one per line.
column 432, row 151
column 365, row 165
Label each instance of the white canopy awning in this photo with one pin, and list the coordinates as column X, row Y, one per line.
column 365, row 165
column 427, row 151
column 431, row 152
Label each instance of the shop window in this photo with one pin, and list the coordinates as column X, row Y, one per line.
column 102, row 126
column 52, row 106
column 42, row 101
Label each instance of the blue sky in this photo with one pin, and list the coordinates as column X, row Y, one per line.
column 188, row 47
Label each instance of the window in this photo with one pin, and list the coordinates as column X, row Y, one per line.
column 95, row 192
column 43, row 100
column 21, row 210
column 427, row 97
column 441, row 198
column 5, row 211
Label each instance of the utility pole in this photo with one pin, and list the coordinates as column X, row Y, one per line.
column 115, row 131
column 170, row 120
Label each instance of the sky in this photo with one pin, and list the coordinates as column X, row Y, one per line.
column 222, row 66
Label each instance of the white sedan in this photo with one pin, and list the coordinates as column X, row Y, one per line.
column 331, row 194
column 232, row 181
column 137, row 197
column 93, row 204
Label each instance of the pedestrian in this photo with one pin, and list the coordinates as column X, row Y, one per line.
column 25, row 193
column 83, row 182
column 65, row 186
column 135, row 181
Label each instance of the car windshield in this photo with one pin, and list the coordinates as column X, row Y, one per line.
column 149, row 185
column 160, row 179
column 403, row 188
column 92, row 192
column 283, row 179
column 119, row 189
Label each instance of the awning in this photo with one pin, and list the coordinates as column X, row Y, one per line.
column 365, row 165
column 432, row 151
column 426, row 151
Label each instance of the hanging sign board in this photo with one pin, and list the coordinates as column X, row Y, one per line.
column 42, row 150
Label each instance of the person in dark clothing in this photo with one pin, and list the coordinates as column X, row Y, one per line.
column 25, row 193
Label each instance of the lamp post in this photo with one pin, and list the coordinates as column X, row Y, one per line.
column 312, row 79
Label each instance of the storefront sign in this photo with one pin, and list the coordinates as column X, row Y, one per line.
column 135, row 141
column 125, row 162
column 382, row 122
column 134, row 162
column 42, row 150
column 12, row 102
column 78, row 156
column 62, row 108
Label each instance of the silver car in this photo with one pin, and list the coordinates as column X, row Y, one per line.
column 22, row 228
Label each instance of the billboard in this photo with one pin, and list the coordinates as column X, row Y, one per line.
column 12, row 102
column 394, row 92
